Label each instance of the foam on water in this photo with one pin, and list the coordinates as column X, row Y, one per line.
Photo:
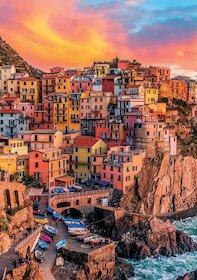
column 169, row 268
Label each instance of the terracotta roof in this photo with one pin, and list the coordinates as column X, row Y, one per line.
column 49, row 76
column 85, row 142
column 9, row 98
column 9, row 111
column 28, row 79
column 65, row 179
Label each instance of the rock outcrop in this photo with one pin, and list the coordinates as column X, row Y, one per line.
column 141, row 237
column 29, row 271
column 165, row 184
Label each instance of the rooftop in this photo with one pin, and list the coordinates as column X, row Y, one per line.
column 85, row 142
column 28, row 79
column 9, row 111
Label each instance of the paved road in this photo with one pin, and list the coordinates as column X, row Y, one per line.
column 50, row 255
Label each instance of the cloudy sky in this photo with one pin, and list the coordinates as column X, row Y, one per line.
column 77, row 32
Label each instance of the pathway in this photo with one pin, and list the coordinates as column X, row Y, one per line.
column 50, row 255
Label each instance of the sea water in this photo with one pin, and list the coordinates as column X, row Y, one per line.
column 162, row 268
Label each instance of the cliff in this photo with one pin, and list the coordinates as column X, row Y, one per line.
column 165, row 184
column 141, row 237
column 9, row 56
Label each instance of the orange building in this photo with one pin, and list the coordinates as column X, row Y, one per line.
column 47, row 165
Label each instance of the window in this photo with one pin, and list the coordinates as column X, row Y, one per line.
column 50, row 138
column 88, row 150
column 148, row 133
column 36, row 137
column 111, row 168
column 76, row 150
column 36, row 155
column 89, row 200
column 36, row 164
column 104, row 175
column 119, row 178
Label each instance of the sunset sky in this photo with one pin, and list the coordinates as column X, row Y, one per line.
column 75, row 32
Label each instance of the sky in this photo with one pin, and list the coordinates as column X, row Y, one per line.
column 74, row 33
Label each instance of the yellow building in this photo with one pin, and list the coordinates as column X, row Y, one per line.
column 62, row 84
column 61, row 112
column 74, row 112
column 150, row 95
column 29, row 90
column 85, row 148
column 101, row 69
column 14, row 159
column 67, row 112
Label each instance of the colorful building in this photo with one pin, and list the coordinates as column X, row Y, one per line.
column 81, row 84
column 121, row 166
column 47, row 165
column 29, row 90
column 62, row 84
column 151, row 95
column 85, row 148
column 112, row 132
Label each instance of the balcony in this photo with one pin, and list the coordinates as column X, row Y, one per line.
column 11, row 125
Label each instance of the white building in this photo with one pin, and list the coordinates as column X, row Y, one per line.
column 97, row 84
column 11, row 122
column 5, row 73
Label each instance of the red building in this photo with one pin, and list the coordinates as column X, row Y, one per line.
column 48, row 85
column 108, row 84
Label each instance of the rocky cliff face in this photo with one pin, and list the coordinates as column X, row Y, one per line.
column 166, row 184
column 9, row 56
column 144, row 237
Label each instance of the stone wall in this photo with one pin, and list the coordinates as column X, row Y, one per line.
column 28, row 243
column 97, row 264
column 12, row 194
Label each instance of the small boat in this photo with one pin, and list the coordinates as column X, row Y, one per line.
column 82, row 237
column 38, row 213
column 39, row 217
column 72, row 226
column 87, row 239
column 46, row 238
column 39, row 255
column 43, row 245
column 61, row 244
column 71, row 221
column 41, row 221
column 49, row 210
column 56, row 216
column 50, row 229
column 76, row 232
column 94, row 240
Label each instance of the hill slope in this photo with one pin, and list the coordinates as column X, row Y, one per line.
column 9, row 56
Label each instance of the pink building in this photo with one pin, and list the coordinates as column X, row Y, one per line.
column 81, row 84
column 26, row 108
column 121, row 167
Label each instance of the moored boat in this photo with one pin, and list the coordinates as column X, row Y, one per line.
column 41, row 221
column 43, row 245
column 56, row 216
column 50, row 229
column 81, row 237
column 72, row 226
column 49, row 210
column 71, row 221
column 46, row 238
column 39, row 217
column 61, row 244
column 39, row 255
column 79, row 231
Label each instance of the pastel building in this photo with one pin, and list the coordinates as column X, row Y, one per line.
column 14, row 159
column 5, row 74
column 125, row 103
column 12, row 122
column 62, row 84
column 112, row 132
column 93, row 107
column 97, row 84
column 151, row 95
column 47, row 165
column 81, row 84
column 121, row 166
column 29, row 90
column 85, row 148
column 42, row 139
column 13, row 83
column 101, row 69
column 48, row 85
